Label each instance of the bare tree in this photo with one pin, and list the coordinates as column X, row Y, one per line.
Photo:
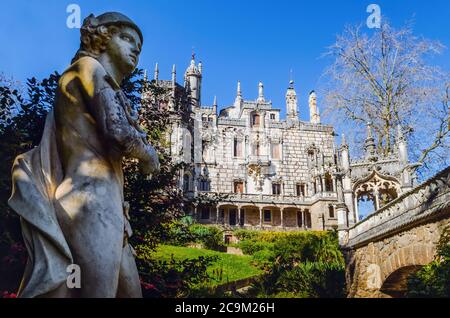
column 386, row 78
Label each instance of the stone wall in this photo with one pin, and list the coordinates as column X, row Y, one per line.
column 370, row 266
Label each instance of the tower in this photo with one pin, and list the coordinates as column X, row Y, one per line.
column 314, row 115
column 193, row 82
column 291, row 102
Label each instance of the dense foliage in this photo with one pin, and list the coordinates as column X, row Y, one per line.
column 297, row 264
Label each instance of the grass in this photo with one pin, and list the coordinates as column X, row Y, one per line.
column 233, row 267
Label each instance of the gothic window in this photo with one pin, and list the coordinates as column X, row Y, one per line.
column 187, row 183
column 237, row 148
column 204, row 185
column 267, row 216
column 374, row 192
column 301, row 190
column 205, row 213
column 331, row 211
column 276, row 188
column 308, row 222
column 328, row 183
column 276, row 151
column 238, row 187
column 256, row 120
column 272, row 116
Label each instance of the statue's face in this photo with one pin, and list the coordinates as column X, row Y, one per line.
column 124, row 49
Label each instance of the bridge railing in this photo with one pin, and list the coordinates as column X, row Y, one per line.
column 425, row 200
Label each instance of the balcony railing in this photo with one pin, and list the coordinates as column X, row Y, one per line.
column 254, row 159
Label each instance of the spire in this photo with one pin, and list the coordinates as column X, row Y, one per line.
column 261, row 98
column 369, row 144
column 156, row 72
column 344, row 141
column 313, row 109
column 402, row 145
column 145, row 75
column 291, row 101
column 174, row 74
column 238, row 100
column 215, row 105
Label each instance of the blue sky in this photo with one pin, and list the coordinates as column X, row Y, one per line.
column 247, row 40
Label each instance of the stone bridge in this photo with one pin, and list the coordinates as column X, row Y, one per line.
column 395, row 241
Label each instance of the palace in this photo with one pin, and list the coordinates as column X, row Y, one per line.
column 270, row 172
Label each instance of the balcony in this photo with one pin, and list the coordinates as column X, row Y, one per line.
column 260, row 160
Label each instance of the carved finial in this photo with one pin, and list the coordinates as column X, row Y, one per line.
column 239, row 92
column 343, row 141
column 261, row 92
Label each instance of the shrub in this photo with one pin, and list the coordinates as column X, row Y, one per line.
column 210, row 236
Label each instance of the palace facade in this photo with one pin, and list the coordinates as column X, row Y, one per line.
column 270, row 172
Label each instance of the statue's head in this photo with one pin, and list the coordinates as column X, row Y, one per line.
column 114, row 34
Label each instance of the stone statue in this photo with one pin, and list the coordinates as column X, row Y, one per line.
column 68, row 191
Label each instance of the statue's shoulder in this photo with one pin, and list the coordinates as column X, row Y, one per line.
column 87, row 72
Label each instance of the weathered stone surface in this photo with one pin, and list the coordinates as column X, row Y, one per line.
column 69, row 190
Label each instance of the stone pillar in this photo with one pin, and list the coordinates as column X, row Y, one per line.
column 239, row 216
column 195, row 213
column 377, row 199
column 217, row 214
column 260, row 218
column 282, row 217
column 303, row 219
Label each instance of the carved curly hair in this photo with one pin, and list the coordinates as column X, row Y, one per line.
column 94, row 38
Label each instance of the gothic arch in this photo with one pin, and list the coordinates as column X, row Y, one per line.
column 403, row 262
column 376, row 188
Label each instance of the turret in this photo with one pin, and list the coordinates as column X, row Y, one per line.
column 291, row 102
column 261, row 98
column 193, row 82
column 314, row 115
